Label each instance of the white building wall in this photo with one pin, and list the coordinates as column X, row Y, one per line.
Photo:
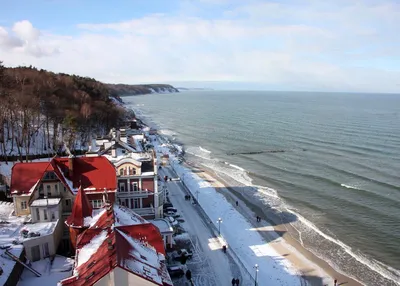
column 121, row 277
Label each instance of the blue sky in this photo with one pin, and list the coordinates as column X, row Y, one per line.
column 341, row 45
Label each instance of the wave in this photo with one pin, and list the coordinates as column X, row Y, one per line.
column 271, row 198
column 204, row 150
column 350, row 187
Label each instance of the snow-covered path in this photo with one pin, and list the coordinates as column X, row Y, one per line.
column 222, row 266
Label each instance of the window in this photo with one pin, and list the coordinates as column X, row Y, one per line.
column 48, row 190
column 136, row 203
column 56, row 188
column 121, row 171
column 122, row 187
column 135, row 187
column 37, row 214
column 45, row 214
column 65, row 189
column 67, row 202
column 53, row 216
column 24, row 205
column 127, row 202
column 96, row 203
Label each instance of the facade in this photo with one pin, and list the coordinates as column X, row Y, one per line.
column 136, row 171
column 60, row 178
column 115, row 246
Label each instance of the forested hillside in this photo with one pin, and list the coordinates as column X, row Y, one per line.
column 129, row 89
column 44, row 112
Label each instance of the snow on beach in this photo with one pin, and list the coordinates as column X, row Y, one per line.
column 241, row 237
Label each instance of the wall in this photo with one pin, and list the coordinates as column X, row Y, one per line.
column 123, row 277
column 16, row 272
column 17, row 205
column 28, row 244
column 148, row 183
column 126, row 167
column 56, row 209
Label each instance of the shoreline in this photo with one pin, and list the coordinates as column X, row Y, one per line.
column 318, row 273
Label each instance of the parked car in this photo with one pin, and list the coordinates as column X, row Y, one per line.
column 176, row 255
column 167, row 205
column 180, row 219
column 170, row 209
column 169, row 213
column 176, row 271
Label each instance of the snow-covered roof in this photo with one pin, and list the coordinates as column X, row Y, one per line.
column 163, row 225
column 147, row 174
column 89, row 249
column 138, row 249
column 44, row 228
column 45, row 202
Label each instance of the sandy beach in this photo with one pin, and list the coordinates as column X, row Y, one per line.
column 315, row 270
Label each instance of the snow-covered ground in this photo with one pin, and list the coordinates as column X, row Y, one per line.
column 240, row 236
column 9, row 231
column 52, row 272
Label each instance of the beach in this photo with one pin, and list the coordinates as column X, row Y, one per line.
column 313, row 269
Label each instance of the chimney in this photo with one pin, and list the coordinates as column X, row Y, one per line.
column 71, row 165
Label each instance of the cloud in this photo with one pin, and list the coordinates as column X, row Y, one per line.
column 306, row 45
column 25, row 42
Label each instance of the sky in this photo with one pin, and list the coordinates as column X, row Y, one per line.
column 338, row 45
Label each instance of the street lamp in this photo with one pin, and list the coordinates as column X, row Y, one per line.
column 219, row 225
column 256, row 267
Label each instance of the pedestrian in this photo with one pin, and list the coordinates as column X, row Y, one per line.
column 335, row 282
column 237, row 281
column 233, row 281
column 237, row 203
column 189, row 275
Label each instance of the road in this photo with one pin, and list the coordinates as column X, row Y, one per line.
column 212, row 265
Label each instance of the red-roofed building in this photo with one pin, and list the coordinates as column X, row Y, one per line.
column 110, row 254
column 61, row 178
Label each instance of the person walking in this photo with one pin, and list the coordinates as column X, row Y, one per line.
column 335, row 282
column 237, row 203
column 233, row 281
column 237, row 281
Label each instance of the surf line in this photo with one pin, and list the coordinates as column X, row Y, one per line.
column 258, row 152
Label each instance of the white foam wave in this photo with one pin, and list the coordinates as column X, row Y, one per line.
column 349, row 187
column 380, row 268
column 167, row 132
column 204, row 150
column 235, row 166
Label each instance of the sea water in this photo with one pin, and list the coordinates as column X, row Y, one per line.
column 333, row 159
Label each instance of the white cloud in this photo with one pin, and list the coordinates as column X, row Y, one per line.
column 314, row 46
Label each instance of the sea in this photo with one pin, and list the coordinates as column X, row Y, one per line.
column 332, row 159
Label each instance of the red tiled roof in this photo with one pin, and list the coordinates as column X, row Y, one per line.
column 81, row 209
column 93, row 173
column 116, row 249
column 25, row 175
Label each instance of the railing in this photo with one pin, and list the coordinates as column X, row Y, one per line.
column 141, row 193
column 144, row 211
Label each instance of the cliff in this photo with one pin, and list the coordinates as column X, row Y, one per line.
column 139, row 89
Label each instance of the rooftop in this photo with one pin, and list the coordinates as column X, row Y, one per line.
column 45, row 202
column 108, row 243
column 92, row 173
column 163, row 225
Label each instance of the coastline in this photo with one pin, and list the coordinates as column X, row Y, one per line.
column 313, row 269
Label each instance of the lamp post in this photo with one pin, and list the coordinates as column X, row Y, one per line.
column 219, row 225
column 255, row 280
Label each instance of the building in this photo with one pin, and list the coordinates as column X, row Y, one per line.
column 136, row 171
column 115, row 246
column 60, row 178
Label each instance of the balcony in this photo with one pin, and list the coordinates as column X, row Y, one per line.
column 134, row 194
column 144, row 211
